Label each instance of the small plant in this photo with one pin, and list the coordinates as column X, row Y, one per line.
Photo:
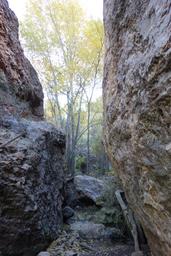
column 80, row 163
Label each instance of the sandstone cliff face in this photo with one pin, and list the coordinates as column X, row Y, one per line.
column 137, row 102
column 31, row 153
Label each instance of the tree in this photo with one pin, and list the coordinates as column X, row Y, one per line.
column 66, row 48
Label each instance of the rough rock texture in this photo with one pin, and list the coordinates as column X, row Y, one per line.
column 89, row 188
column 43, row 254
column 137, row 110
column 20, row 90
column 31, row 153
column 31, row 184
column 92, row 191
column 68, row 213
column 90, row 230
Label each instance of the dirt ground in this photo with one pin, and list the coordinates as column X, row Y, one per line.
column 118, row 250
column 114, row 250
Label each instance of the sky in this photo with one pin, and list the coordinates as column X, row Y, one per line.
column 94, row 8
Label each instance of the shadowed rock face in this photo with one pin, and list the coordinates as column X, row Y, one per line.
column 31, row 185
column 137, row 104
column 20, row 90
column 31, row 153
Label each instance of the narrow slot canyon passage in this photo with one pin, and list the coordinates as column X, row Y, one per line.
column 85, row 138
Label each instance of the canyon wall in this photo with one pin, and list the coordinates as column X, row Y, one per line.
column 20, row 90
column 137, row 110
column 31, row 152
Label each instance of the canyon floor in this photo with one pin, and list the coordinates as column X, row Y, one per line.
column 71, row 244
column 85, row 235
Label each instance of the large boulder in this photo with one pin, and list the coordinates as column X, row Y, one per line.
column 31, row 152
column 137, row 110
column 31, row 184
column 89, row 189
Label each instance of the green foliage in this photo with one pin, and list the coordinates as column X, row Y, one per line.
column 110, row 216
column 66, row 48
column 64, row 43
column 80, row 162
column 103, row 172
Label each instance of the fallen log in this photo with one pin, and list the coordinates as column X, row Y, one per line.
column 13, row 139
column 129, row 217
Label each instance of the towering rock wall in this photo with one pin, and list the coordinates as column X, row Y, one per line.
column 31, row 152
column 20, row 90
column 137, row 110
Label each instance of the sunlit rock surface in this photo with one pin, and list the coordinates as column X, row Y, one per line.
column 137, row 110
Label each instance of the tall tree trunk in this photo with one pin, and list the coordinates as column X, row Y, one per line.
column 68, row 133
column 88, row 138
column 72, row 167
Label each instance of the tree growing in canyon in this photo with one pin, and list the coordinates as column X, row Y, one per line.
column 66, row 48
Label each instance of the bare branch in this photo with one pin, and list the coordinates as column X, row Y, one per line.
column 10, row 141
